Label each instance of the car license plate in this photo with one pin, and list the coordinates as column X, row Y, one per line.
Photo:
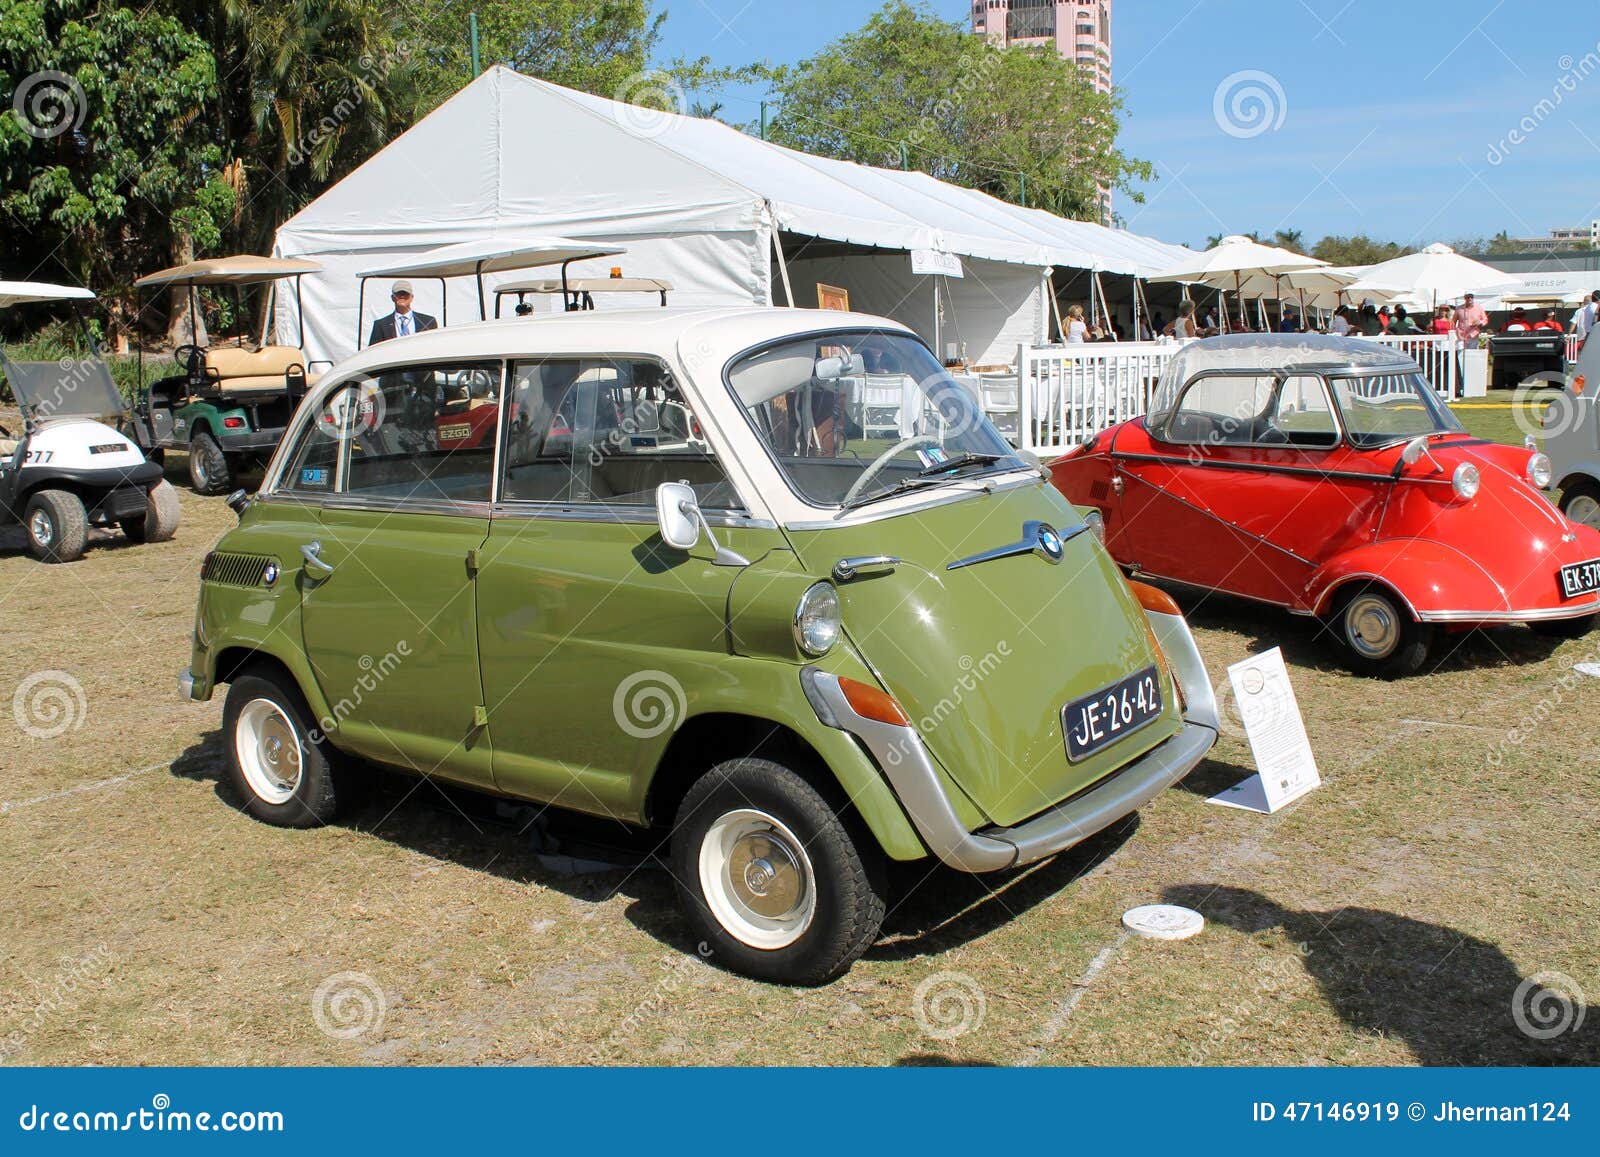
column 1099, row 720
column 1581, row 578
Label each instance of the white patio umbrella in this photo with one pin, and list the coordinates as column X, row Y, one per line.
column 1437, row 273
column 1233, row 260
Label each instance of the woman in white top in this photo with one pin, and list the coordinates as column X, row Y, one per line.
column 1077, row 328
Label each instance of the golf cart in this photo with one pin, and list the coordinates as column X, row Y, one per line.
column 70, row 470
column 227, row 405
column 577, row 293
column 492, row 255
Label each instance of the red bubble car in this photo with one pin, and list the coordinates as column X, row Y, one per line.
column 1324, row 475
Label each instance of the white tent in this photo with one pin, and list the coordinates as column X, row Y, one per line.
column 1437, row 274
column 694, row 201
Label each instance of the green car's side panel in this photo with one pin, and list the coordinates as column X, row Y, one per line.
column 392, row 637
column 984, row 658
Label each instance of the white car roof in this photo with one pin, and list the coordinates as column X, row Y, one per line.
column 707, row 337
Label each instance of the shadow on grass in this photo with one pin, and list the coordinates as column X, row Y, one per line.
column 1451, row 998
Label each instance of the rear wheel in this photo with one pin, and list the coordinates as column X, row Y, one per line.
column 770, row 878
column 161, row 513
column 209, row 469
column 1380, row 636
column 283, row 768
column 1581, row 503
column 58, row 526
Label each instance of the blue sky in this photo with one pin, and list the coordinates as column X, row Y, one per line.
column 1398, row 120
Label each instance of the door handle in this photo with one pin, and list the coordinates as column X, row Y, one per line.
column 312, row 553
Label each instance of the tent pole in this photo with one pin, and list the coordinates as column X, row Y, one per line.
column 777, row 249
column 1055, row 308
column 361, row 309
column 1135, row 309
column 483, row 310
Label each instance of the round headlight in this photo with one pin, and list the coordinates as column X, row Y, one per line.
column 816, row 620
column 1466, row 480
column 1539, row 471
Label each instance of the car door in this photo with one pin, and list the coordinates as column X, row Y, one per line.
column 388, row 605
column 594, row 634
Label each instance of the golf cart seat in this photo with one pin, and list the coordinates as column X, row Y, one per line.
column 271, row 369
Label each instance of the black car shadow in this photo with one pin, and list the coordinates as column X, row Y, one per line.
column 1310, row 643
column 1453, row 999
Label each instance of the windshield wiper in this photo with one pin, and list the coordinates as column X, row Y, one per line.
column 960, row 462
column 915, row 482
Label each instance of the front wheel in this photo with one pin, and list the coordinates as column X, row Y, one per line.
column 771, row 880
column 278, row 761
column 161, row 513
column 1581, row 503
column 1380, row 636
column 58, row 526
column 209, row 470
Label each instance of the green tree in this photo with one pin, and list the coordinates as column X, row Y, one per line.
column 910, row 88
column 1357, row 250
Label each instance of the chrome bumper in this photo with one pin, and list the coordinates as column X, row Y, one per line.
column 186, row 686
column 907, row 764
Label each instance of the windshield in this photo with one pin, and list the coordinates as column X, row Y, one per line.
column 70, row 387
column 1382, row 408
column 854, row 416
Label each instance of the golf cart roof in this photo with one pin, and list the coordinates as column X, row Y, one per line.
column 495, row 255
column 588, row 285
column 22, row 292
column 241, row 270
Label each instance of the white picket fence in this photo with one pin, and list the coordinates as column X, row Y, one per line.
column 1061, row 396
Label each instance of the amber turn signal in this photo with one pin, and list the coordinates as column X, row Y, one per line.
column 872, row 703
column 1153, row 599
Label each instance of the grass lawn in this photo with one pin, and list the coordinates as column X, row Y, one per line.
column 1504, row 415
column 1397, row 915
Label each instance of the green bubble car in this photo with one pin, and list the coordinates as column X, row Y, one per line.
column 766, row 581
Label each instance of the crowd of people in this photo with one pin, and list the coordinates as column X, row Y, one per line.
column 1467, row 321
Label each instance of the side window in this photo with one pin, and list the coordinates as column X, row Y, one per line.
column 1302, row 416
column 604, row 430
column 1221, row 411
column 416, row 434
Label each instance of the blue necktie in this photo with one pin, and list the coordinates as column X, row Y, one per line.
column 405, row 325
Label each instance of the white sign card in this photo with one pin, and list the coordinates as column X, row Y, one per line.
column 1285, row 766
column 927, row 262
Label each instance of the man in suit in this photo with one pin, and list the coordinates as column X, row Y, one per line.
column 403, row 322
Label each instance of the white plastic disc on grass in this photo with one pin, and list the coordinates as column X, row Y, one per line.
column 1590, row 669
column 1163, row 922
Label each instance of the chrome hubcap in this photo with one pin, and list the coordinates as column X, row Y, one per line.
column 39, row 526
column 1585, row 510
column 1372, row 626
column 757, row 879
column 268, row 750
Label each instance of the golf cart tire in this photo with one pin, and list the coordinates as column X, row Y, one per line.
column 68, row 522
column 161, row 514
column 209, row 469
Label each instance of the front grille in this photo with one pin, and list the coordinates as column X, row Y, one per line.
column 235, row 570
column 124, row 502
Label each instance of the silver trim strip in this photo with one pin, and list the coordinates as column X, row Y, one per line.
column 941, row 497
column 1546, row 615
column 906, row 763
column 631, row 515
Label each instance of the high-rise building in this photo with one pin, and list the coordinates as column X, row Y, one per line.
column 1080, row 30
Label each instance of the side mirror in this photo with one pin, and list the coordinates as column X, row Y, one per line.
column 678, row 514
column 1414, row 451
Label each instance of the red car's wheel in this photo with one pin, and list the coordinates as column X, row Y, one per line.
column 1380, row 636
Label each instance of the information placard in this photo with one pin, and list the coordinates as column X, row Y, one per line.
column 1285, row 766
